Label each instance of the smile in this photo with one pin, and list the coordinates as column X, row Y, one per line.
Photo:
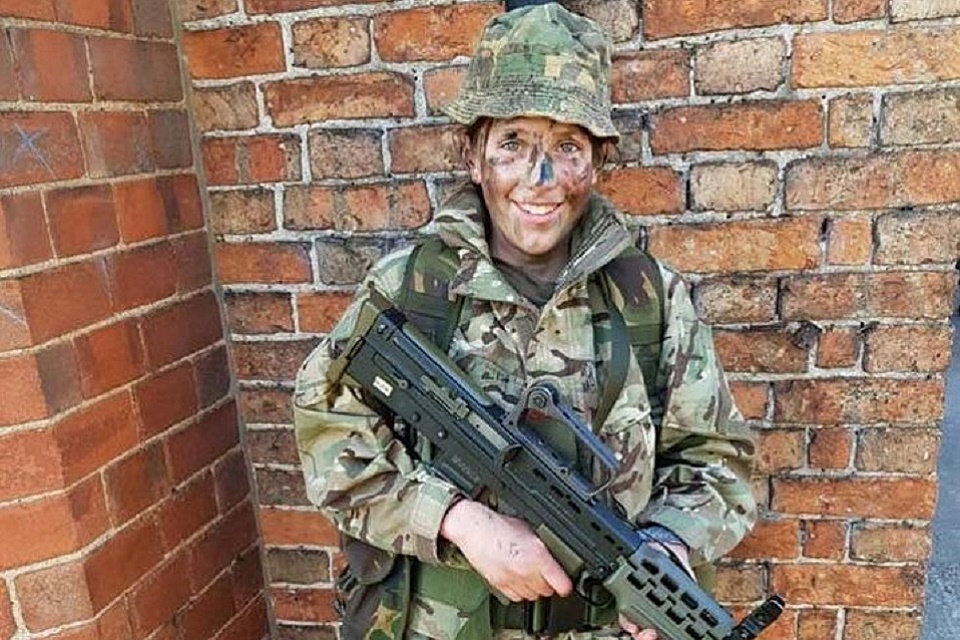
column 537, row 209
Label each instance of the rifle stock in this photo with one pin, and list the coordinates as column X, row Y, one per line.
column 477, row 445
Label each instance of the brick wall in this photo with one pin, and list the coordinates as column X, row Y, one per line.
column 799, row 159
column 125, row 502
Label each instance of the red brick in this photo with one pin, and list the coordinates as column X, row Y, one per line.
column 88, row 505
column 650, row 75
column 275, row 360
column 880, row 57
column 52, row 65
column 849, row 241
column 229, row 108
column 259, row 312
column 769, row 540
column 909, row 237
column 830, row 448
column 232, row 477
column 785, row 243
column 14, row 332
column 181, row 195
column 33, row 9
column 780, row 449
column 116, row 143
column 135, row 70
column 65, row 299
column 319, row 312
column 442, row 85
column 859, row 400
column 248, row 579
column 252, row 159
column 237, row 51
column 828, row 584
column 850, row 121
column 367, row 95
column 136, row 483
column 763, row 350
column 141, row 209
column 331, row 42
column 854, row 10
column 181, row 329
column 122, row 561
column 202, row 442
column 109, row 357
column 82, row 219
column 152, row 19
column 750, row 398
column 425, row 149
column 188, row 510
column 200, row 9
column 143, row 275
column 280, row 6
column 346, row 153
column 373, row 207
column 898, row 450
column 739, row 584
column 9, row 90
column 29, row 464
column 166, row 399
column 719, row 68
column 303, row 605
column 876, row 542
column 663, row 18
column 880, row 181
column 222, row 543
column 856, row 497
column 194, row 264
column 816, row 624
column 54, row 596
column 95, row 435
column 748, row 125
column 209, row 611
column 7, row 624
column 24, row 238
column 112, row 15
column 854, row 295
column 289, row 527
column 170, row 138
column 262, row 262
column 156, row 600
column 266, row 405
column 908, row 348
column 212, row 373
column 869, row 625
column 38, row 147
column 43, row 529
column 824, row 539
column 435, row 40
column 60, row 376
column 839, row 347
column 246, row 211
column 643, row 190
column 20, row 379
column 251, row 624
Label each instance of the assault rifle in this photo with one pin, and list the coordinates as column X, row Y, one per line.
column 478, row 445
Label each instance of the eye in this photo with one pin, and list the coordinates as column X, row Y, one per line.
column 512, row 145
column 569, row 147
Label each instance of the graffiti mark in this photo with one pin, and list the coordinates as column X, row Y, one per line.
column 13, row 315
column 28, row 146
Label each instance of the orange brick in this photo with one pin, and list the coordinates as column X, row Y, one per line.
column 780, row 449
column 849, row 240
column 881, row 57
column 88, row 504
column 259, row 312
column 319, row 312
column 763, row 350
column 908, row 348
column 64, row 299
column 304, row 605
column 739, row 584
column 96, row 435
column 816, row 624
column 252, row 159
column 855, row 10
column 851, row 121
column 29, row 464
column 395, row 205
column 122, row 561
column 200, row 9
column 235, row 51
column 859, row 400
column 143, row 275
column 663, row 18
column 54, row 597
column 7, row 625
column 748, row 125
column 166, row 399
column 24, row 238
column 787, row 243
column 229, row 108
column 101, row 14
column 33, row 9
column 21, row 379
column 435, row 40
column 824, row 539
column 442, row 85
column 346, row 153
column 838, row 347
column 181, row 329
column 868, row 625
column 280, row 6
column 643, row 190
column 750, row 398
column 116, row 143
column 367, row 95
column 14, row 332
column 771, row 539
column 10, row 90
column 876, row 542
column 425, row 149
column 898, row 450
column 262, row 262
column 155, row 207
column 82, row 219
column 830, row 448
column 331, row 42
column 43, row 529
column 846, row 585
column 38, row 147
column 109, row 357
column 649, row 75
column 245, row 211
column 135, row 70
column 855, row 497
column 52, row 65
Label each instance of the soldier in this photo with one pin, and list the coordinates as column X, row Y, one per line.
column 527, row 241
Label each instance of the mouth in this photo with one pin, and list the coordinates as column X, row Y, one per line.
column 537, row 210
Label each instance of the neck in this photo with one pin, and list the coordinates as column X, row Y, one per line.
column 542, row 268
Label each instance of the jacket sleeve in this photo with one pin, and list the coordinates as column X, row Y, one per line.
column 355, row 471
column 705, row 451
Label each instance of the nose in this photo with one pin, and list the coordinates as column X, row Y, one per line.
column 541, row 170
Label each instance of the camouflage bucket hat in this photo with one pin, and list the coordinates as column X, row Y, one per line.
column 540, row 60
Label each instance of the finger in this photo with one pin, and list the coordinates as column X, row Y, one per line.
column 557, row 579
column 628, row 626
column 646, row 634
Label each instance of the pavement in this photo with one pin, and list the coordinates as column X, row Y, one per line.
column 942, row 608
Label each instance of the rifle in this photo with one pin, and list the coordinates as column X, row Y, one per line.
column 478, row 445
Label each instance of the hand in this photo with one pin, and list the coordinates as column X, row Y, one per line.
column 505, row 551
column 636, row 633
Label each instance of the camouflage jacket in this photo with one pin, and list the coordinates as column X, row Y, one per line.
column 693, row 480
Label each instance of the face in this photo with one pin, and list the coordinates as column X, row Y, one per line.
column 535, row 175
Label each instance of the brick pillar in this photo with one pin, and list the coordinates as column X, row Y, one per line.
column 125, row 502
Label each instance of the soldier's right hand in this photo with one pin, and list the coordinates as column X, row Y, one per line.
column 505, row 551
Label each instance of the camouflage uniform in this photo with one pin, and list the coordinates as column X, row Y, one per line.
column 692, row 480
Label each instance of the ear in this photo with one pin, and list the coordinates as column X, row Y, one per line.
column 470, row 159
